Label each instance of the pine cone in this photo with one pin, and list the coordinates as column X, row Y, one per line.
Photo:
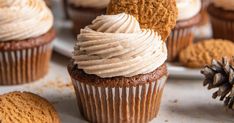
column 220, row 74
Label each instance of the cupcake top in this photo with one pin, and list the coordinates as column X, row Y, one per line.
column 188, row 9
column 90, row 3
column 23, row 19
column 225, row 4
column 115, row 45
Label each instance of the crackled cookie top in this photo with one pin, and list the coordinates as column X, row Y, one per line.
column 159, row 15
column 23, row 19
column 25, row 107
column 200, row 54
column 115, row 45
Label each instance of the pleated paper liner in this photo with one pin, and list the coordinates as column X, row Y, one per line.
column 131, row 104
column 222, row 29
column 181, row 36
column 178, row 40
column 24, row 65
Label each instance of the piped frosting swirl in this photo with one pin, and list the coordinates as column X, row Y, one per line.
column 23, row 19
column 115, row 45
column 188, row 8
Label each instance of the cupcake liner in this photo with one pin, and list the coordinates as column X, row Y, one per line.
column 82, row 17
column 25, row 65
column 222, row 29
column 179, row 39
column 133, row 104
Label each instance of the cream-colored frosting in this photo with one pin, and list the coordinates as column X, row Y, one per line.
column 90, row 3
column 188, row 8
column 225, row 4
column 115, row 45
column 23, row 19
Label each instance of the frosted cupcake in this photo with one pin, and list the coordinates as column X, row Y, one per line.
column 26, row 34
column 182, row 35
column 82, row 12
column 118, row 70
column 222, row 18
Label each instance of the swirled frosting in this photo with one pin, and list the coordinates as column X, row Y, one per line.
column 90, row 3
column 115, row 45
column 23, row 19
column 188, row 8
column 225, row 4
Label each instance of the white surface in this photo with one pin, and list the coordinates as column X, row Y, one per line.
column 184, row 101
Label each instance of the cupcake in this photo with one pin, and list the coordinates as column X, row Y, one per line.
column 26, row 107
column 26, row 34
column 222, row 18
column 82, row 12
column 118, row 70
column 182, row 35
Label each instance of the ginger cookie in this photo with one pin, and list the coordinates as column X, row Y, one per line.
column 200, row 54
column 159, row 15
column 25, row 107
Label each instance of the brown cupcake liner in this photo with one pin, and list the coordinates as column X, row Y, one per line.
column 133, row 104
column 24, row 65
column 82, row 17
column 222, row 29
column 179, row 39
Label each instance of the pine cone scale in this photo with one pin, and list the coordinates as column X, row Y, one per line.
column 220, row 75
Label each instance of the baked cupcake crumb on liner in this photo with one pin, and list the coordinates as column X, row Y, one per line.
column 181, row 36
column 25, row 61
column 82, row 17
column 178, row 40
column 222, row 22
column 119, row 103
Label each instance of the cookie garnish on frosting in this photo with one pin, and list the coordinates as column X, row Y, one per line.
column 115, row 45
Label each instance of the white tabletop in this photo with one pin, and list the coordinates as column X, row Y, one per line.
column 184, row 101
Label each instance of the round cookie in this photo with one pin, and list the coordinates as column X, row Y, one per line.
column 200, row 54
column 159, row 15
column 25, row 107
